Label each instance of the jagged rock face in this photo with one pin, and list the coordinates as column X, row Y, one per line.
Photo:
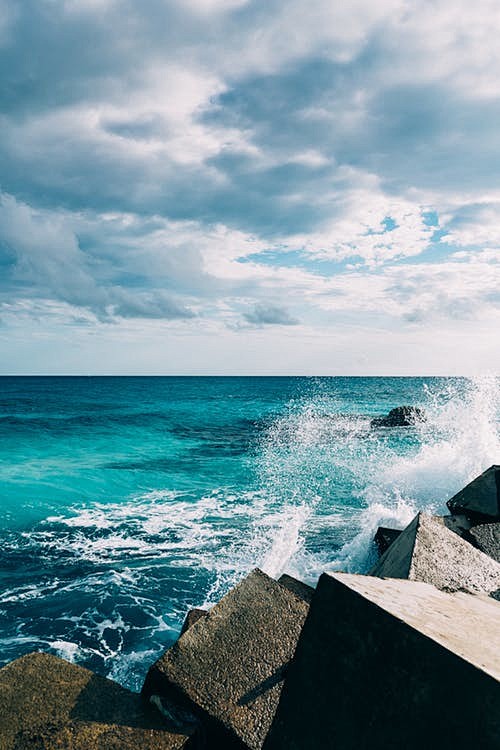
column 193, row 616
column 486, row 537
column 401, row 416
column 392, row 663
column 229, row 666
column 45, row 702
column 480, row 499
column 428, row 551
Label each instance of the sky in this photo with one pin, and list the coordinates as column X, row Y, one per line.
column 249, row 187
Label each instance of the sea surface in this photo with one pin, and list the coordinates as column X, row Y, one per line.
column 126, row 501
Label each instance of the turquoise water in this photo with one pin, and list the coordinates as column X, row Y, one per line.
column 126, row 501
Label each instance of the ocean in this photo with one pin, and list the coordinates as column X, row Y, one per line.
column 126, row 501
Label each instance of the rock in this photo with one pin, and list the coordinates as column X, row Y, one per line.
column 302, row 590
column 229, row 667
column 401, row 416
column 460, row 524
column 193, row 616
column 486, row 537
column 46, row 702
column 392, row 664
column 480, row 499
column 428, row 551
column 385, row 537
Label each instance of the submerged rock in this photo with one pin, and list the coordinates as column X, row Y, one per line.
column 392, row 664
column 229, row 668
column 428, row 551
column 47, row 703
column 401, row 416
column 480, row 499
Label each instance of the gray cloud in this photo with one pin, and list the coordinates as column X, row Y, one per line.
column 270, row 315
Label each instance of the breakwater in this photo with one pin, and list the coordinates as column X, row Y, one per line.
column 358, row 661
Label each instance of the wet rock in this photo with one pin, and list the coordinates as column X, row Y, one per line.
column 392, row 664
column 480, row 499
column 385, row 537
column 229, row 668
column 46, row 702
column 302, row 590
column 401, row 416
column 193, row 616
column 486, row 537
column 428, row 551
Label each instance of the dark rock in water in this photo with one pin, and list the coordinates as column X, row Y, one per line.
column 401, row 416
column 480, row 499
column 385, row 537
column 302, row 590
column 392, row 664
column 486, row 537
column 193, row 616
column 47, row 703
column 428, row 551
column 229, row 668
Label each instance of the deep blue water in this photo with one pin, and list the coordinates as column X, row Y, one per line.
column 126, row 501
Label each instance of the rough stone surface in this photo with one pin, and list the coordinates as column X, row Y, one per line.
column 401, row 416
column 385, row 537
column 459, row 523
column 486, row 537
column 193, row 616
column 229, row 666
column 392, row 664
column 480, row 498
column 45, row 702
column 302, row 590
column 428, row 551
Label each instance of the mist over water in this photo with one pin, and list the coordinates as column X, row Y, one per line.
column 125, row 503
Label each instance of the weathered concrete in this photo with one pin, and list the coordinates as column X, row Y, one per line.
column 229, row 667
column 193, row 616
column 486, row 537
column 45, row 702
column 459, row 523
column 480, row 498
column 385, row 537
column 428, row 551
column 302, row 590
column 392, row 664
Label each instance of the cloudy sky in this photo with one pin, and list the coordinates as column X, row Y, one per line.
column 250, row 186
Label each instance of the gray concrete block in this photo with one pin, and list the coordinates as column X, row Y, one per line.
column 193, row 616
column 302, row 590
column 480, row 498
column 385, row 537
column 46, row 703
column 228, row 668
column 428, row 551
column 392, row 664
column 486, row 537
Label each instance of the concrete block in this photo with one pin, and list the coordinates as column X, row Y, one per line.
column 228, row 668
column 480, row 498
column 46, row 702
column 486, row 537
column 192, row 616
column 428, row 551
column 385, row 537
column 302, row 590
column 392, row 664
